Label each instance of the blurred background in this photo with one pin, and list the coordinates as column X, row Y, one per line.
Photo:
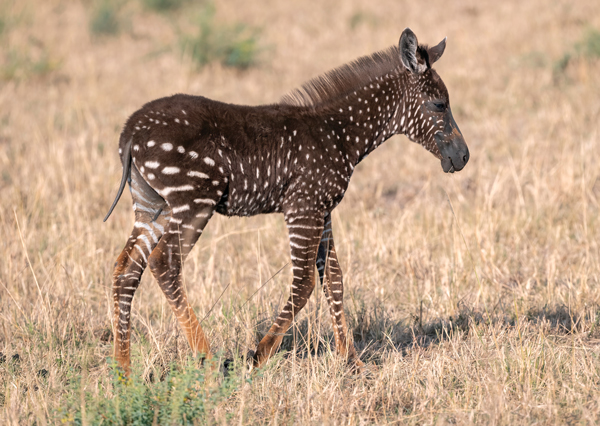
column 520, row 244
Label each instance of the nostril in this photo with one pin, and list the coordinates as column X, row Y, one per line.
column 465, row 158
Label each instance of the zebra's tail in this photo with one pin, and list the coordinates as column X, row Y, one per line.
column 126, row 172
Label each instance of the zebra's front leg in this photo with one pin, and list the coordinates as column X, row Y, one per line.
column 330, row 275
column 305, row 234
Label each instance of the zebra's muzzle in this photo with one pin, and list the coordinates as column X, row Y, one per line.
column 447, row 165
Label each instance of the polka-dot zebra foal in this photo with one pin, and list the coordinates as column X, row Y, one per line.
column 187, row 157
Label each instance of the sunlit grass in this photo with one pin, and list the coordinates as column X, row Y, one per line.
column 490, row 315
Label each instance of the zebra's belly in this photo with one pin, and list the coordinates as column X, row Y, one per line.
column 248, row 201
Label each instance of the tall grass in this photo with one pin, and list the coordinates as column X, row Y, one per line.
column 501, row 327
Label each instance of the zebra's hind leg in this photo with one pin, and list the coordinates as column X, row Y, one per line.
column 330, row 275
column 126, row 278
column 166, row 263
column 305, row 233
column 147, row 231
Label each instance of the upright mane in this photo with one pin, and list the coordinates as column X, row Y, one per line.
column 344, row 79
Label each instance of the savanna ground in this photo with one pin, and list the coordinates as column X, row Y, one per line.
column 486, row 313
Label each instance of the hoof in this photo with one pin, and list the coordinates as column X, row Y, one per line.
column 251, row 359
column 356, row 366
column 229, row 363
column 227, row 367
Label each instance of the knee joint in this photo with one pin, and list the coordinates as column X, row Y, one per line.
column 155, row 262
column 159, row 262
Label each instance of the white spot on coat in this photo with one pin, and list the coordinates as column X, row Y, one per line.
column 170, row 170
column 193, row 173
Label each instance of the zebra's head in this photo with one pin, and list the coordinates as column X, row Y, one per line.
column 425, row 115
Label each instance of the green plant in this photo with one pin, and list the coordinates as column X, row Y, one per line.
column 104, row 18
column 233, row 45
column 5, row 20
column 19, row 65
column 360, row 17
column 164, row 5
column 186, row 395
column 587, row 48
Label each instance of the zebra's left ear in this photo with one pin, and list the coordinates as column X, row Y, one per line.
column 408, row 50
column 436, row 52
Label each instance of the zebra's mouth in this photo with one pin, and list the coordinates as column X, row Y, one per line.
column 447, row 165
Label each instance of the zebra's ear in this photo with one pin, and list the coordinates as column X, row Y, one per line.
column 409, row 53
column 436, row 52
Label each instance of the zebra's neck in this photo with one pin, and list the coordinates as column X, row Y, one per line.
column 356, row 124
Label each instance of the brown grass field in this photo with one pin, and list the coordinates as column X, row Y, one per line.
column 488, row 315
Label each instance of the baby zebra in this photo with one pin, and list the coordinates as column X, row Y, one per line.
column 187, row 157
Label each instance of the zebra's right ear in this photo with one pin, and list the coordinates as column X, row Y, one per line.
column 436, row 52
column 408, row 52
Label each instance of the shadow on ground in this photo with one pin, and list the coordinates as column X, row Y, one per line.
column 375, row 332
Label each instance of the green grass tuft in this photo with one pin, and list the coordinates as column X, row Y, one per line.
column 360, row 17
column 164, row 5
column 588, row 48
column 104, row 19
column 234, row 46
column 19, row 65
column 188, row 394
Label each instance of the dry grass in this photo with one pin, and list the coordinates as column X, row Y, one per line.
column 490, row 316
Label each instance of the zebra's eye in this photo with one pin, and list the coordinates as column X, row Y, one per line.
column 440, row 106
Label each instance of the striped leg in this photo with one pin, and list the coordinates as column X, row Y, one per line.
column 126, row 278
column 305, row 234
column 330, row 274
column 166, row 264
